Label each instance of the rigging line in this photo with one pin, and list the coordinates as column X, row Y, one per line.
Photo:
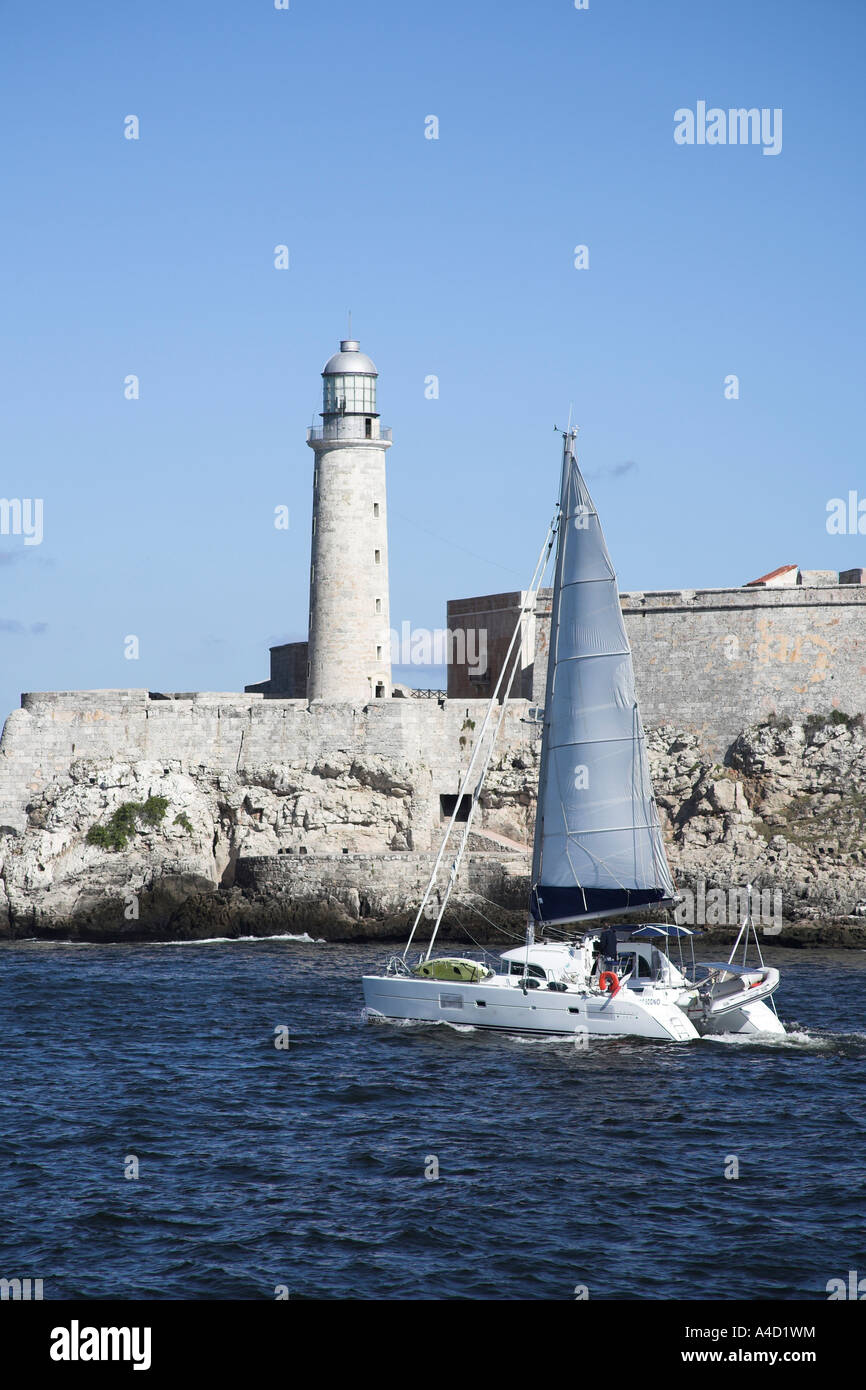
column 540, row 567
column 500, row 906
column 447, row 541
column 512, row 936
column 476, row 944
column 476, row 793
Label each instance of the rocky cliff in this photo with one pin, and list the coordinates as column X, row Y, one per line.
column 341, row 844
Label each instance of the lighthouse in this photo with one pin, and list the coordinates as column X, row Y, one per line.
column 349, row 657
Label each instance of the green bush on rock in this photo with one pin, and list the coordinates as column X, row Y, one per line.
column 123, row 823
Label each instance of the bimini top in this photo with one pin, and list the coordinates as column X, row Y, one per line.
column 651, row 931
column 350, row 361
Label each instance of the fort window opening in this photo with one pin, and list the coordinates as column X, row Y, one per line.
column 380, row 691
column 447, row 804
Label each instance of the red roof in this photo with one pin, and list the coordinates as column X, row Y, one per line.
column 774, row 574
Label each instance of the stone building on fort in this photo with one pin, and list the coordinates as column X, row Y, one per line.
column 792, row 643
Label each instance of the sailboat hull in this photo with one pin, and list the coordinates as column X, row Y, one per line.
column 507, row 1009
column 750, row 1019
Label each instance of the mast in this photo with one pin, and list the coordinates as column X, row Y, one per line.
column 598, row 849
column 568, row 438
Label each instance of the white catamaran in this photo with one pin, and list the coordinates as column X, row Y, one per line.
column 597, row 853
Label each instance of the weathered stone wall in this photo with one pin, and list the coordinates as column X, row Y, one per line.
column 234, row 734
column 713, row 661
column 486, row 625
column 382, row 885
column 786, row 813
column 717, row 660
column 288, row 678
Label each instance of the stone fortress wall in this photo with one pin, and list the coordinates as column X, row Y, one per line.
column 237, row 735
column 710, row 661
column 283, row 816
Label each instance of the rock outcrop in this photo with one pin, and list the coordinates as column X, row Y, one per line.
column 340, row 844
column 786, row 811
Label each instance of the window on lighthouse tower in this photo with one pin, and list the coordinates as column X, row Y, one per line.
column 349, row 394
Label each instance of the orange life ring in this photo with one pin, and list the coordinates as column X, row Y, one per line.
column 613, row 977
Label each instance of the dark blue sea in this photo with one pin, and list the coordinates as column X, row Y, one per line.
column 303, row 1169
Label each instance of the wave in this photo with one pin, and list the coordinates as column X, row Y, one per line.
column 201, row 941
column 235, row 940
column 371, row 1016
column 795, row 1037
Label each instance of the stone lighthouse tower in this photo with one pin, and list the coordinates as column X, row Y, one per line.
column 349, row 651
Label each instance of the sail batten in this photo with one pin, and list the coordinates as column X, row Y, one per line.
column 598, row 848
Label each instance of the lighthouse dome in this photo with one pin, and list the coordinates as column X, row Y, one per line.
column 349, row 382
column 350, row 361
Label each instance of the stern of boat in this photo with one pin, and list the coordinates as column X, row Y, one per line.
column 752, row 1019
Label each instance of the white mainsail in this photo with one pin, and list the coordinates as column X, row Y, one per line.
column 598, row 846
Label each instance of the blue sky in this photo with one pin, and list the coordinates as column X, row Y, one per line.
column 260, row 127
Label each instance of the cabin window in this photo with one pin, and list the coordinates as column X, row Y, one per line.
column 517, row 968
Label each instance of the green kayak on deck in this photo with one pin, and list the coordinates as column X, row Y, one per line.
column 452, row 968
